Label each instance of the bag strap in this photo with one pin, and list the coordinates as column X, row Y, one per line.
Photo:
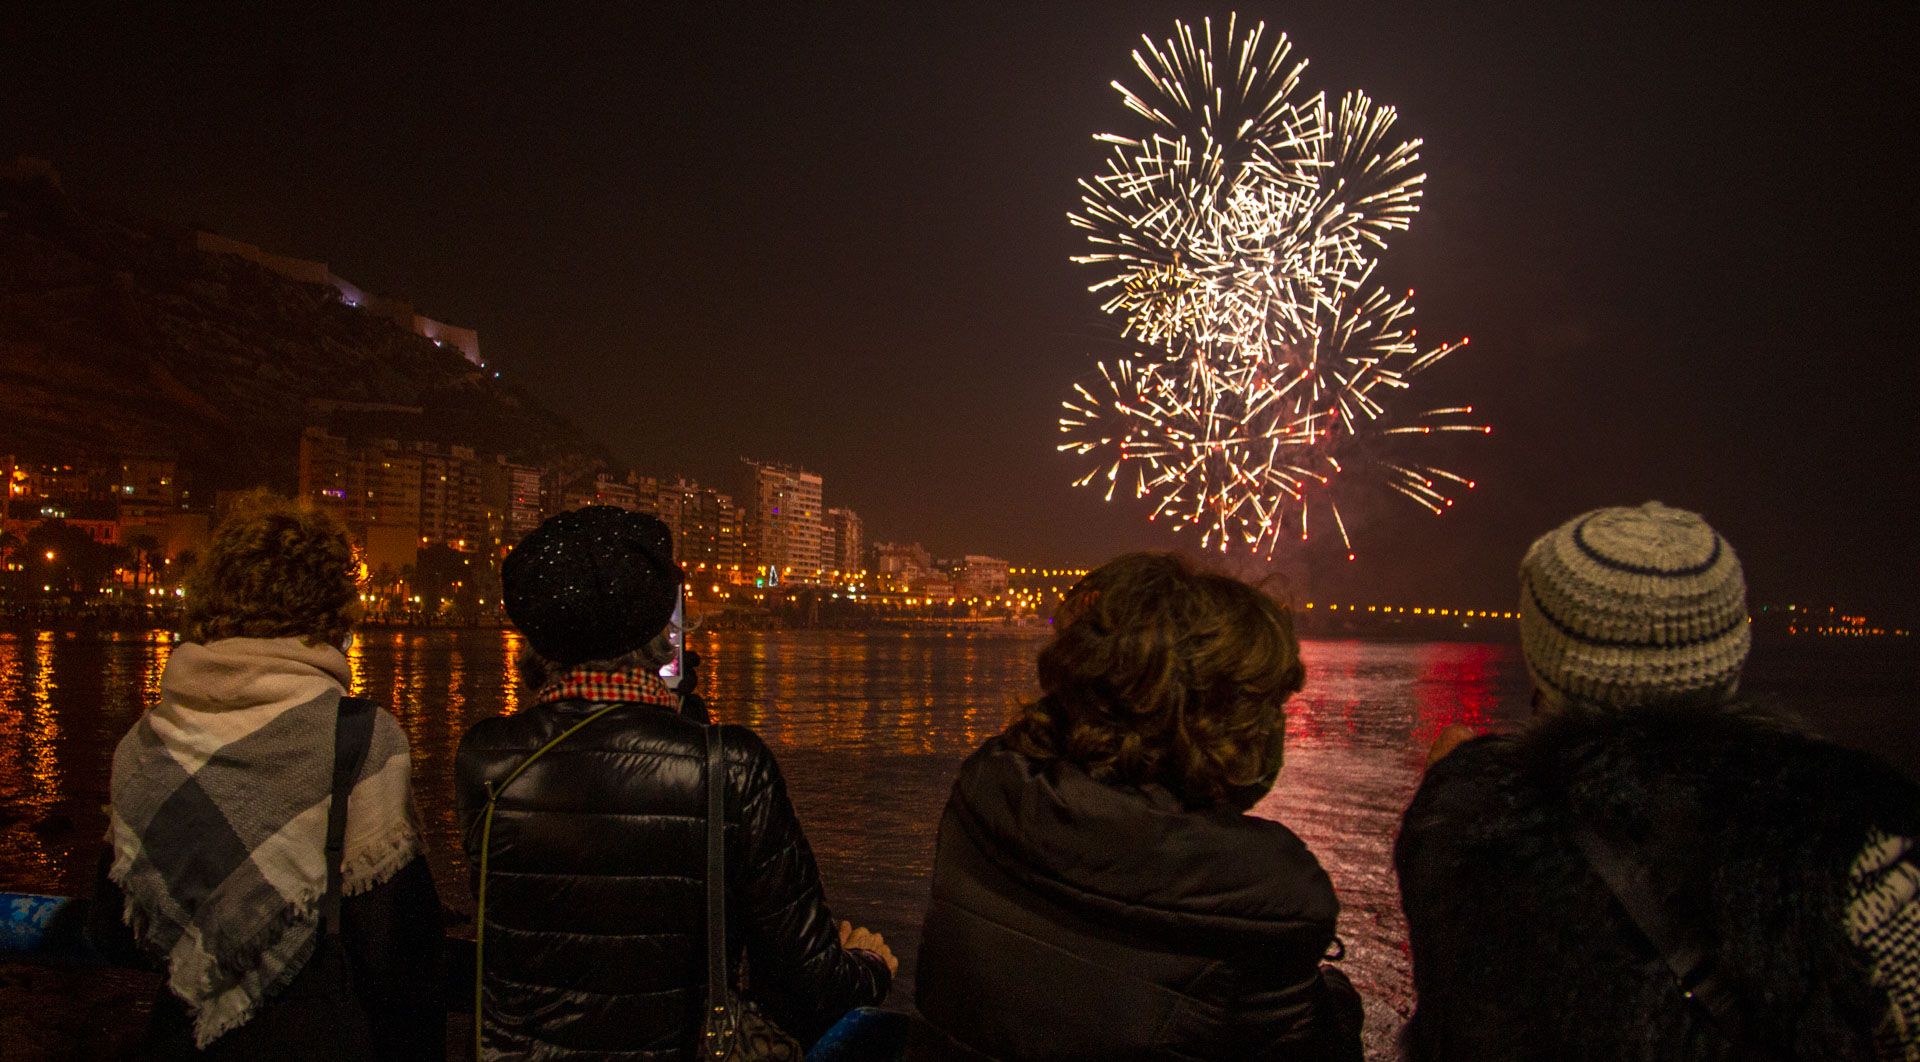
column 716, row 781
column 1693, row 965
column 352, row 734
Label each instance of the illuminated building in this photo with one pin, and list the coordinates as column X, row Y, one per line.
column 846, row 531
column 307, row 271
column 784, row 520
column 599, row 488
column 646, row 492
column 138, row 486
column 733, row 539
column 899, row 565
column 524, row 507
column 705, row 523
column 145, row 486
column 978, row 576
column 370, row 483
column 462, row 498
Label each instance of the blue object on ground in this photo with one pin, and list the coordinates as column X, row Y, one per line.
column 864, row 1034
column 37, row 928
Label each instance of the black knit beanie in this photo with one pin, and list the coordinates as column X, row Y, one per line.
column 592, row 583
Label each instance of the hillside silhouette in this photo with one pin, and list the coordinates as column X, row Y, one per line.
column 118, row 335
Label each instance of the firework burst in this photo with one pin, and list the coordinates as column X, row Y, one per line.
column 1244, row 200
column 1236, row 239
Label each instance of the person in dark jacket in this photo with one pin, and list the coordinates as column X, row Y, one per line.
column 595, row 903
column 1652, row 870
column 216, row 868
column 1099, row 891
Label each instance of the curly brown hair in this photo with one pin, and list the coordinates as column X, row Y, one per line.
column 276, row 569
column 1159, row 673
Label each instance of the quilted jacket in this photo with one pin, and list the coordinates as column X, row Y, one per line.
column 596, row 916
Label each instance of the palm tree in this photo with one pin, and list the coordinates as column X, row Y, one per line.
column 146, row 555
column 9, row 542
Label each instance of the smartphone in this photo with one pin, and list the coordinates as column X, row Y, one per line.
column 677, row 634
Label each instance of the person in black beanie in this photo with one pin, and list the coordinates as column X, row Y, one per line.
column 595, row 916
column 590, row 585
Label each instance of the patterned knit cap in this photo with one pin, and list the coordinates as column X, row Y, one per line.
column 1630, row 607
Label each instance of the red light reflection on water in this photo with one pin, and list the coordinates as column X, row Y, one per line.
column 1455, row 686
column 1357, row 736
column 1378, row 694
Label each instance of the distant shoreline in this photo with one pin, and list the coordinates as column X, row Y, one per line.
column 1495, row 632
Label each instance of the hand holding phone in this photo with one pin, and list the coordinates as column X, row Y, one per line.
column 670, row 672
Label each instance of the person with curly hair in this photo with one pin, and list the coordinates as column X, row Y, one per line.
column 263, row 847
column 1098, row 888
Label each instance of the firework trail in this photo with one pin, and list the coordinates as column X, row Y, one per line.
column 1236, row 239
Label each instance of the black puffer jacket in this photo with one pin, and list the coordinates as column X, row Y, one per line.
column 596, row 915
column 1521, row 952
column 1075, row 920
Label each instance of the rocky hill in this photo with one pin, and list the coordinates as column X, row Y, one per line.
column 119, row 335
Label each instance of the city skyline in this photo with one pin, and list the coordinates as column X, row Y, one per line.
column 844, row 244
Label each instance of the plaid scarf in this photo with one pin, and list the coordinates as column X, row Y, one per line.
column 218, row 825
column 1883, row 918
column 638, row 685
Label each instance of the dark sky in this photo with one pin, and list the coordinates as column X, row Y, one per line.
column 1679, row 235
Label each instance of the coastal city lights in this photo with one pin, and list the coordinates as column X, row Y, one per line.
column 431, row 524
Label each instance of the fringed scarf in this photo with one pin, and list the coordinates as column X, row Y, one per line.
column 219, row 817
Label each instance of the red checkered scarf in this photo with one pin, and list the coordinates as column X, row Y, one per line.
column 636, row 685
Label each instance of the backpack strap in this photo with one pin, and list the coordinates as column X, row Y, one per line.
column 1695, row 969
column 352, row 734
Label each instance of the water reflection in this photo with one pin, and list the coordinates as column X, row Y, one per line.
column 42, row 730
column 1464, row 685
column 1356, row 738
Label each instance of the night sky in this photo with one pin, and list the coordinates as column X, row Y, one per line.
column 1680, row 237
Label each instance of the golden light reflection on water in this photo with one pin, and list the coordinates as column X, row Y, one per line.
column 43, row 723
column 65, row 701
column 154, row 661
column 872, row 694
column 508, row 682
column 456, row 701
column 21, row 694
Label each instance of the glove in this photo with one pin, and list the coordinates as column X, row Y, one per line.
column 689, row 672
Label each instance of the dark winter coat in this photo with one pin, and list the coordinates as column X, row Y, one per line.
column 1071, row 919
column 596, row 902
column 1521, row 952
column 391, row 936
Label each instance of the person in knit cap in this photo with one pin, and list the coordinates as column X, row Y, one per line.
column 584, row 817
column 1652, row 868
